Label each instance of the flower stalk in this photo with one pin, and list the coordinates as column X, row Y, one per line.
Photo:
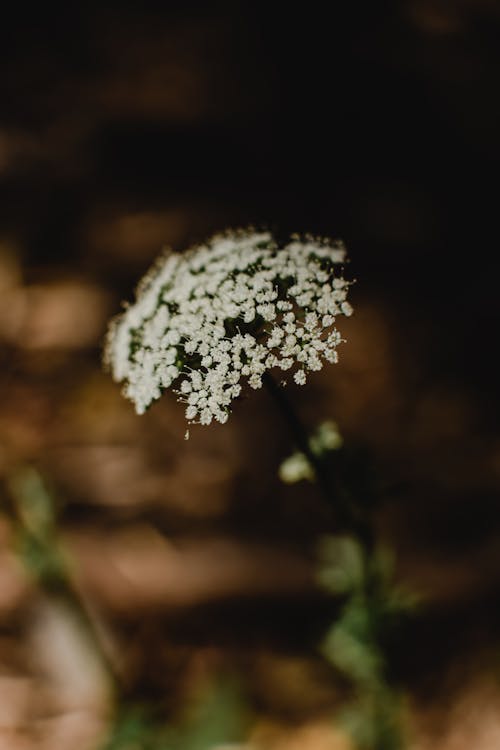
column 348, row 514
column 35, row 521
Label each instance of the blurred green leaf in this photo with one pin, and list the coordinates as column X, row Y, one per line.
column 217, row 718
column 341, row 564
column 372, row 720
column 135, row 730
column 43, row 561
column 351, row 647
column 220, row 717
column 354, row 642
column 36, row 527
column 34, row 504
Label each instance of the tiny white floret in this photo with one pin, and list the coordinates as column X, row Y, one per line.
column 209, row 320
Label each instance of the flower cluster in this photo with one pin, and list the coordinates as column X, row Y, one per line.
column 222, row 314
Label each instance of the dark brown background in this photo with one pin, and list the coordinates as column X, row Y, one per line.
column 126, row 127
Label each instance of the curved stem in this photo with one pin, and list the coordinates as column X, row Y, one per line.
column 346, row 515
column 34, row 518
column 351, row 516
column 299, row 433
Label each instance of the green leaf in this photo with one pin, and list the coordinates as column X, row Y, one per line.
column 220, row 717
column 373, row 721
column 351, row 648
column 341, row 567
column 34, row 503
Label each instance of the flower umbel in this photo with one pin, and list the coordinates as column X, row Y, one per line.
column 206, row 321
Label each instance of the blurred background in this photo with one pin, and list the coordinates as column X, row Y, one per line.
column 128, row 127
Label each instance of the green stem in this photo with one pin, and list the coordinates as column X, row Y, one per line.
column 300, row 435
column 33, row 515
column 346, row 515
column 352, row 518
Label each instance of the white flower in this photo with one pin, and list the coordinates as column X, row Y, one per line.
column 295, row 468
column 206, row 321
column 300, row 377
